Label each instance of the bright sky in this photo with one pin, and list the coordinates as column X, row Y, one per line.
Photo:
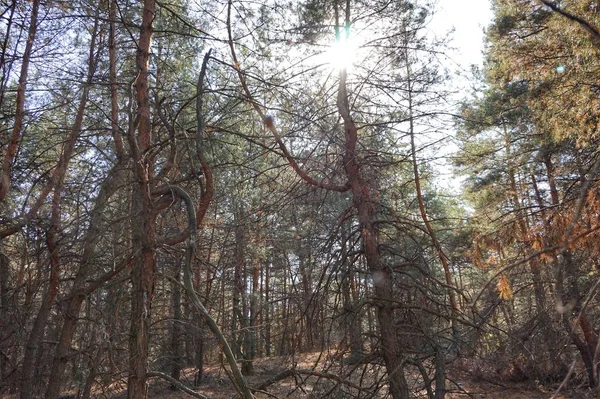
column 468, row 18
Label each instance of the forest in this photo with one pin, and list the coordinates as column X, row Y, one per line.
column 287, row 199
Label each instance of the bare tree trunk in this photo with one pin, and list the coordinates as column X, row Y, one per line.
column 142, row 279
column 93, row 364
column 308, row 306
column 199, row 355
column 353, row 329
column 261, row 309
column 15, row 138
column 241, row 313
column 267, row 312
column 143, row 222
column 176, row 357
column 29, row 377
column 254, row 313
column 382, row 277
column 4, row 329
column 238, row 288
column 284, row 347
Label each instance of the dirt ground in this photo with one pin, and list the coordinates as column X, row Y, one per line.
column 326, row 382
column 462, row 384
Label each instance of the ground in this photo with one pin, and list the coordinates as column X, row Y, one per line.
column 465, row 382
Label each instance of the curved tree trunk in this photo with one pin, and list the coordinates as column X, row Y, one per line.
column 382, row 277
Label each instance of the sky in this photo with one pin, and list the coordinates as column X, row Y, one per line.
column 468, row 18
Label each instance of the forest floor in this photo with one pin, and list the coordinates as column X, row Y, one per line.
column 464, row 381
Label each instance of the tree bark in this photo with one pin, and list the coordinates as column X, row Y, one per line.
column 267, row 317
column 15, row 138
column 176, row 357
column 254, row 314
column 382, row 276
column 352, row 318
column 142, row 280
column 143, row 222
column 52, row 238
column 79, row 289
column 4, row 329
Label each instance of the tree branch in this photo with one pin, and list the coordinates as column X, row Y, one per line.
column 238, row 378
column 582, row 22
column 177, row 383
column 268, row 121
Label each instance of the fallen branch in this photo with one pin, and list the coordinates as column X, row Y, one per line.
column 293, row 372
column 177, row 383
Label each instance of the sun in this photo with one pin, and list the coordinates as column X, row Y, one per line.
column 342, row 53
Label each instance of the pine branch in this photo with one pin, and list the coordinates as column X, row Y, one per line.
column 585, row 24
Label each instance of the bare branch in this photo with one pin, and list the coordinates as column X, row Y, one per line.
column 268, row 121
column 178, row 384
column 238, row 378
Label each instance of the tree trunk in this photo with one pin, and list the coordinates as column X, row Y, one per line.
column 93, row 364
column 199, row 355
column 29, row 377
column 284, row 347
column 4, row 330
column 308, row 306
column 142, row 280
column 15, row 138
column 176, row 357
column 382, row 278
column 241, row 317
column 143, row 222
column 267, row 312
column 79, row 289
column 353, row 329
column 254, row 312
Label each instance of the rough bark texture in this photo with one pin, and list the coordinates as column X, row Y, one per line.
column 15, row 137
column 382, row 276
column 143, row 217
